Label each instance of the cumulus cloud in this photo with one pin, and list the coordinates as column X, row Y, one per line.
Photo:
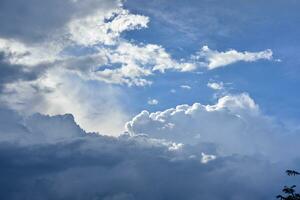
column 215, row 59
column 45, row 157
column 234, row 125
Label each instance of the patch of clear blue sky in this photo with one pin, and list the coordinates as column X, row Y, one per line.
column 183, row 27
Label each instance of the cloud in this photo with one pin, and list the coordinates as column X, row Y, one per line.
column 152, row 102
column 93, row 29
column 12, row 72
column 234, row 125
column 84, row 25
column 137, row 62
column 67, row 62
column 111, row 59
column 43, row 73
column 56, row 159
column 15, row 52
column 186, row 87
column 54, row 93
column 31, row 25
column 215, row 59
column 207, row 158
column 58, row 64
column 215, row 85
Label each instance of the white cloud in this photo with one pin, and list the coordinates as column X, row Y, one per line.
column 123, row 63
column 102, row 26
column 151, row 55
column 138, row 61
column 234, row 125
column 215, row 85
column 152, row 102
column 28, row 55
column 119, row 61
column 215, row 59
column 207, row 158
column 54, row 93
column 93, row 29
column 33, row 27
column 186, row 87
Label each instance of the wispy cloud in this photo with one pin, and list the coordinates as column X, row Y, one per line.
column 186, row 87
column 215, row 59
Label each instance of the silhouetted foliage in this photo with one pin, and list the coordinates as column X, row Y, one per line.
column 292, row 172
column 289, row 193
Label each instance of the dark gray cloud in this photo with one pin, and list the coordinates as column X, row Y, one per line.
column 44, row 157
column 14, row 72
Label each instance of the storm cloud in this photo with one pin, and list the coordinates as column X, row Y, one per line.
column 44, row 157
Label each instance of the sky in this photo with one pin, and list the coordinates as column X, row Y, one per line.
column 136, row 99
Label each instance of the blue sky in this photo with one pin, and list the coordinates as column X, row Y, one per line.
column 136, row 99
